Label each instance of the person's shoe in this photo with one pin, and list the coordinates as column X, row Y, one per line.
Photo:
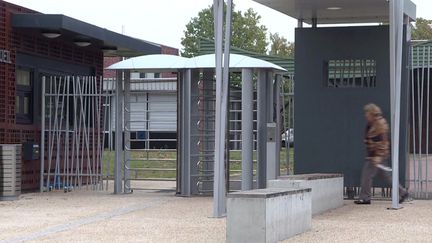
column 403, row 198
column 362, row 201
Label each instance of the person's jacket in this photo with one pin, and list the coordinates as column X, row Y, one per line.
column 376, row 140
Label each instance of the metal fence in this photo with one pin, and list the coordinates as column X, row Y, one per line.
column 419, row 167
column 72, row 133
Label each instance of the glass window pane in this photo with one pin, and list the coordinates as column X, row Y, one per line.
column 17, row 104
column 26, row 105
column 23, row 77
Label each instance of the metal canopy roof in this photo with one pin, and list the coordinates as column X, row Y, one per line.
column 236, row 62
column 169, row 62
column 112, row 43
column 338, row 11
column 151, row 62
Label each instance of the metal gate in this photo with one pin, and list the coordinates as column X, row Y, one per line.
column 72, row 133
column 419, row 167
column 204, row 103
column 150, row 132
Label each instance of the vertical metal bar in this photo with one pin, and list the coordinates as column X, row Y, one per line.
column 421, row 129
column 219, row 203
column 101, row 132
column 92, row 109
column 287, row 121
column 42, row 142
column 262, row 116
column 225, row 95
column 67, row 142
column 179, row 132
column 62, row 87
column 185, row 133
column 413, row 124
column 396, row 29
column 277, row 95
column 118, row 134
column 127, row 129
column 195, row 142
column 300, row 23
column 427, row 123
column 247, row 130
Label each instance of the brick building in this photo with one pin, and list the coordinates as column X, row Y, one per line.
column 33, row 45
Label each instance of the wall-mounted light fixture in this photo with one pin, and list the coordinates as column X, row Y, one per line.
column 334, row 8
column 82, row 43
column 51, row 34
column 109, row 49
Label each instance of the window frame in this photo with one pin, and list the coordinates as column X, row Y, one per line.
column 22, row 92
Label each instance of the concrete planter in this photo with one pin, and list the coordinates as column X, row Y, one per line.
column 327, row 189
column 268, row 215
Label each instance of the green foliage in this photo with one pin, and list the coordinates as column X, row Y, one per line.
column 279, row 46
column 422, row 30
column 247, row 33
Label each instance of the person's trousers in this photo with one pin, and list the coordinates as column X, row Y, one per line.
column 370, row 171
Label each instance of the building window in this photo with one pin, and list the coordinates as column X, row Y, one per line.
column 351, row 73
column 149, row 75
column 24, row 96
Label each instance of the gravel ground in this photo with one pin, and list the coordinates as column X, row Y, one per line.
column 155, row 216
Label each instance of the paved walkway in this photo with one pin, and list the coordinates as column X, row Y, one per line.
column 153, row 216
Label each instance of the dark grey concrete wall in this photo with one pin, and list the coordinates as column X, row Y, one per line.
column 329, row 122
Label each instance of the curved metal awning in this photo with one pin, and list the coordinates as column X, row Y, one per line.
column 163, row 62
column 157, row 62
column 237, row 61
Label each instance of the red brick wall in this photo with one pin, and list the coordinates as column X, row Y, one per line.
column 170, row 51
column 108, row 61
column 32, row 44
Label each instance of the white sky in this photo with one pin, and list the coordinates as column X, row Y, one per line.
column 163, row 21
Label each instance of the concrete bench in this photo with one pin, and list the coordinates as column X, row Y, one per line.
column 327, row 189
column 268, row 215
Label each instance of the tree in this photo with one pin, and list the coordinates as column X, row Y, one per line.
column 279, row 46
column 247, row 33
column 422, row 30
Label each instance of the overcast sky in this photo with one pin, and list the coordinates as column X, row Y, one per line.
column 163, row 21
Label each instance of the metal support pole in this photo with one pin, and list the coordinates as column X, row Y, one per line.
column 126, row 134
column 314, row 22
column 185, row 133
column 118, row 134
column 396, row 30
column 194, row 141
column 225, row 96
column 247, row 130
column 262, row 106
column 219, row 202
column 277, row 94
column 42, row 142
column 300, row 23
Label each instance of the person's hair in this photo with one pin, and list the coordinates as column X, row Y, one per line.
column 372, row 109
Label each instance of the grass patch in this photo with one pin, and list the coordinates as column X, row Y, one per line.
column 143, row 163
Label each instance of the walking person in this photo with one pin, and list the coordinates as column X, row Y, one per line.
column 377, row 146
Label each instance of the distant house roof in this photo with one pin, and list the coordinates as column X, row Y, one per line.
column 112, row 43
column 421, row 54
column 206, row 46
